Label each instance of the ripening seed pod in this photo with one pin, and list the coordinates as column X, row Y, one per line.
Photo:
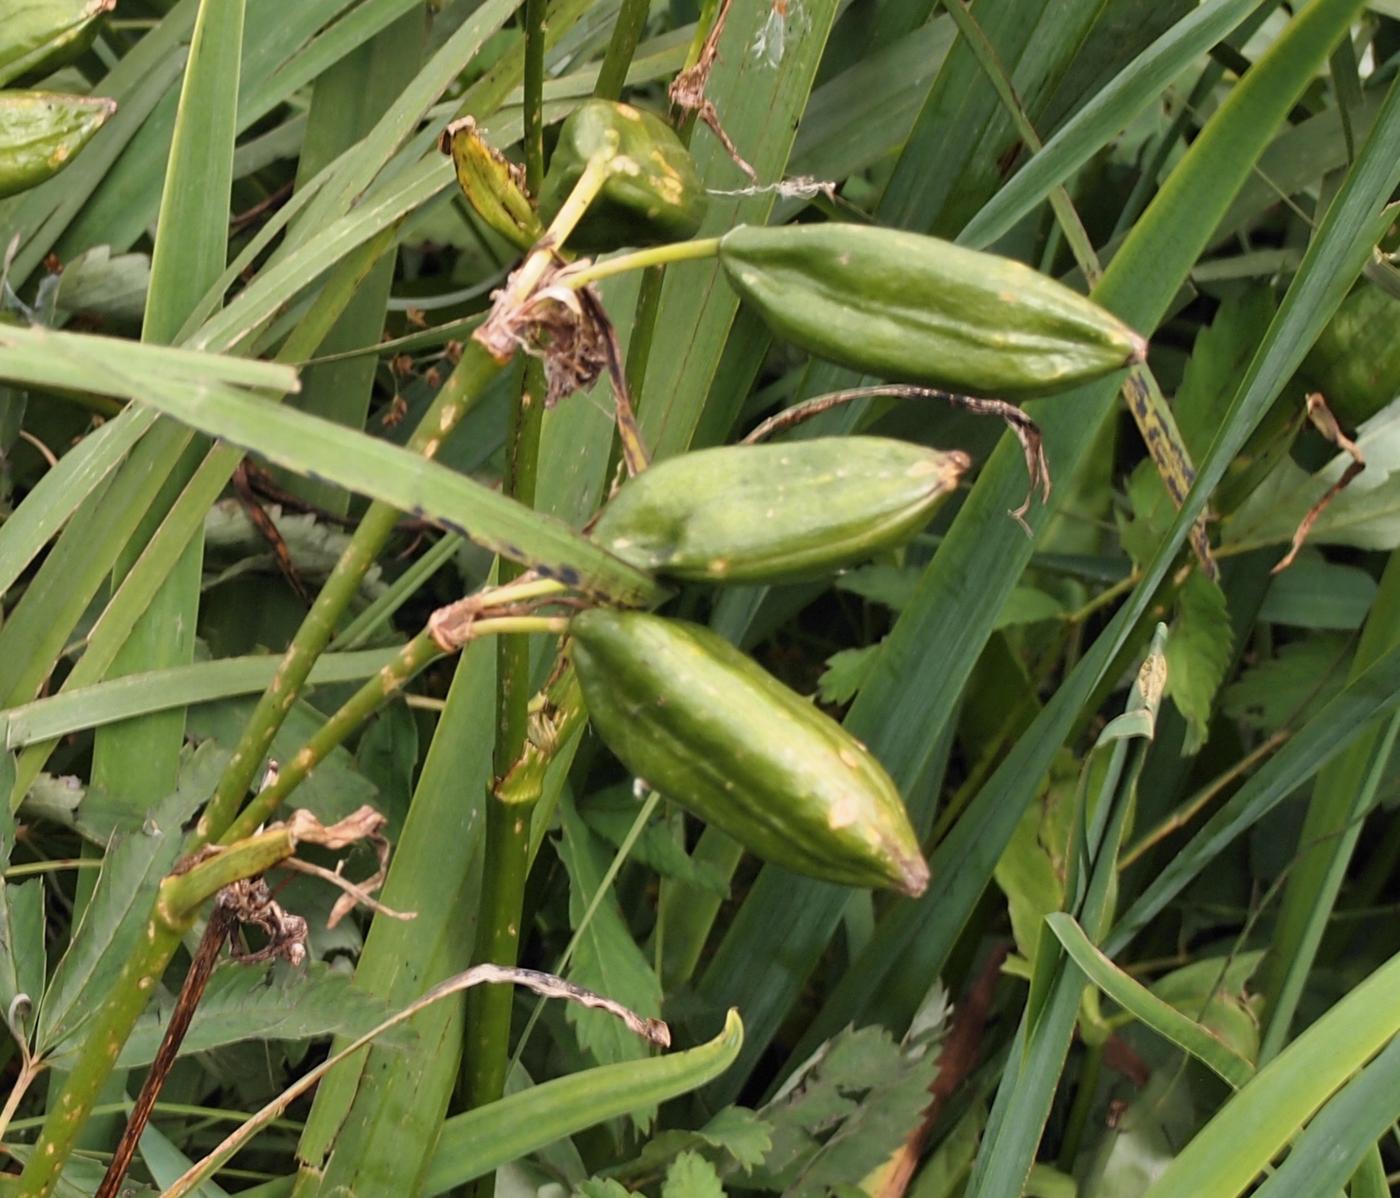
column 914, row 308
column 712, row 731
column 39, row 36
column 776, row 513
column 40, row 132
column 653, row 193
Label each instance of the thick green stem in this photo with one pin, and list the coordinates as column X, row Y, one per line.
column 101, row 1045
column 466, row 384
column 421, row 651
column 627, row 32
column 506, row 862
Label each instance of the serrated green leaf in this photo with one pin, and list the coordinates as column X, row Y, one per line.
column 601, row 1187
column 99, row 818
column 1316, row 593
column 1365, row 514
column 1028, row 605
column 846, row 672
column 244, row 1002
column 1151, row 514
column 1300, row 677
column 735, row 1130
column 334, row 788
column 844, row 1113
column 606, row 959
column 1032, row 870
column 1198, row 654
column 1221, row 353
column 741, row 1133
column 691, row 1176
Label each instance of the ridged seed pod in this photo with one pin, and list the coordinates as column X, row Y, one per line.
column 903, row 306
column 776, row 513
column 712, row 731
column 653, row 193
column 39, row 36
column 40, row 132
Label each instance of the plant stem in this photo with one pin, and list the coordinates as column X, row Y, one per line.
column 534, row 94
column 507, row 855
column 466, row 384
column 660, row 255
column 420, row 652
column 627, row 32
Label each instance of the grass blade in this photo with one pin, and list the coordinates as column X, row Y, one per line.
column 1254, row 1126
column 479, row 1141
column 1146, row 1007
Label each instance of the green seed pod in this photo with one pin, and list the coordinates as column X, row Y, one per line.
column 653, row 193
column 40, row 132
column 904, row 306
column 39, row 36
column 776, row 513
column 709, row 729
column 1355, row 363
column 494, row 186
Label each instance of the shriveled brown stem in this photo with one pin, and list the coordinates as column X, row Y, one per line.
column 206, row 956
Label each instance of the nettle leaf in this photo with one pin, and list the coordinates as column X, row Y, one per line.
column 1027, row 605
column 234, row 546
column 846, row 672
column 607, row 959
column 1151, row 514
column 845, row 1112
column 116, row 915
column 1198, row 654
column 601, row 1187
column 1212, row 992
column 611, row 812
column 736, row 1131
column 741, row 1133
column 1218, row 360
column 691, row 1176
column 247, row 1002
column 1300, row 677
column 100, row 816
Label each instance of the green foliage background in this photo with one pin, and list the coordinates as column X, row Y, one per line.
column 1158, row 952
